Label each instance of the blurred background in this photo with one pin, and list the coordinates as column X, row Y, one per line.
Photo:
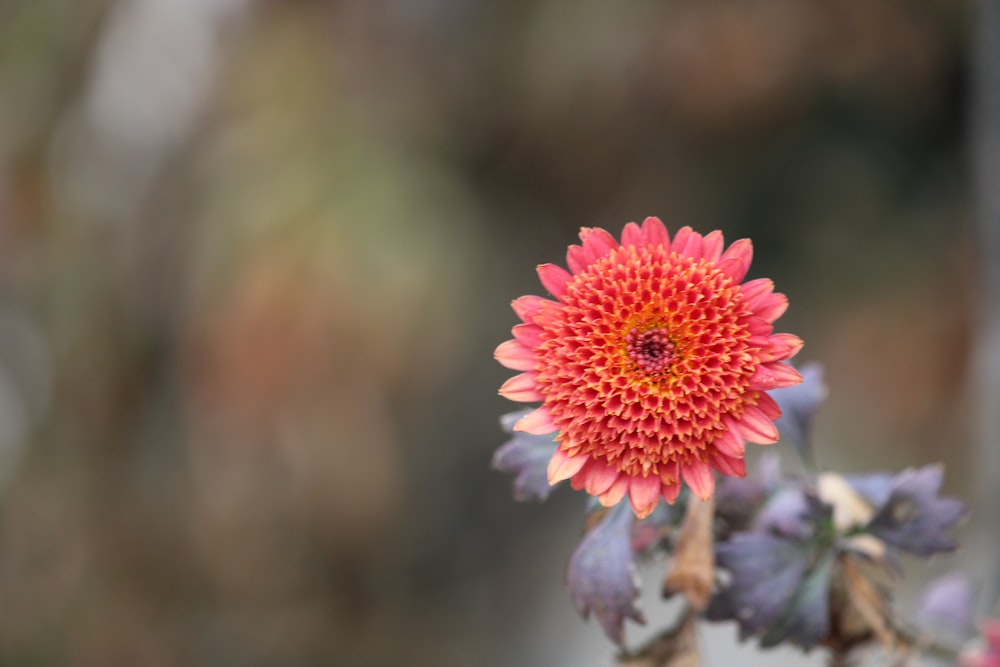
column 255, row 257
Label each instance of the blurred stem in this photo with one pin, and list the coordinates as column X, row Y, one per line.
column 984, row 377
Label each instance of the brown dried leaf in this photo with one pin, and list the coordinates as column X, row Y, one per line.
column 864, row 583
column 677, row 647
column 693, row 569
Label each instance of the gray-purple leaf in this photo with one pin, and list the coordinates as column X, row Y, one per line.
column 948, row 602
column 807, row 620
column 765, row 573
column 798, row 405
column 527, row 456
column 874, row 487
column 601, row 573
column 914, row 518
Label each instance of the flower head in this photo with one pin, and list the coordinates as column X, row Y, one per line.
column 652, row 363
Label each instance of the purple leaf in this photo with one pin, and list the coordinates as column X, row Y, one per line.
column 807, row 620
column 765, row 573
column 798, row 405
column 914, row 518
column 874, row 487
column 948, row 603
column 528, row 456
column 601, row 573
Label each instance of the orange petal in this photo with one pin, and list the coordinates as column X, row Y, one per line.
column 554, row 279
column 563, row 467
column 514, row 355
column 536, row 422
column 701, row 479
column 644, row 493
column 521, row 388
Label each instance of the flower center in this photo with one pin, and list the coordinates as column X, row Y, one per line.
column 650, row 350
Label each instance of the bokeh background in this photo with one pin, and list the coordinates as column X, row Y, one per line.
column 255, row 257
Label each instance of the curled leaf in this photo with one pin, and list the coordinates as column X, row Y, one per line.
column 527, row 456
column 914, row 518
column 601, row 573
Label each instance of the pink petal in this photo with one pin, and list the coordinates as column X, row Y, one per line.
column 774, row 375
column 515, row 356
column 701, row 479
column 786, row 346
column 597, row 242
column 785, row 374
column 776, row 347
column 729, row 443
column 754, row 291
column 521, row 388
column 614, row 495
column 729, row 465
column 536, row 422
column 576, row 259
column 554, row 278
column 644, row 493
column 735, row 261
column 632, row 234
column 755, row 426
column 655, row 233
column 712, row 245
column 685, row 237
column 772, row 307
column 768, row 406
column 671, row 491
column 528, row 335
column 563, row 467
column 598, row 477
column 526, row 306
column 757, row 326
column 768, row 377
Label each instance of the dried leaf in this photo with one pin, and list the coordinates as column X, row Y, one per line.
column 693, row 569
column 601, row 573
column 677, row 647
column 867, row 585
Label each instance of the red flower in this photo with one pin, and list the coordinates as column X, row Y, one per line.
column 651, row 364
